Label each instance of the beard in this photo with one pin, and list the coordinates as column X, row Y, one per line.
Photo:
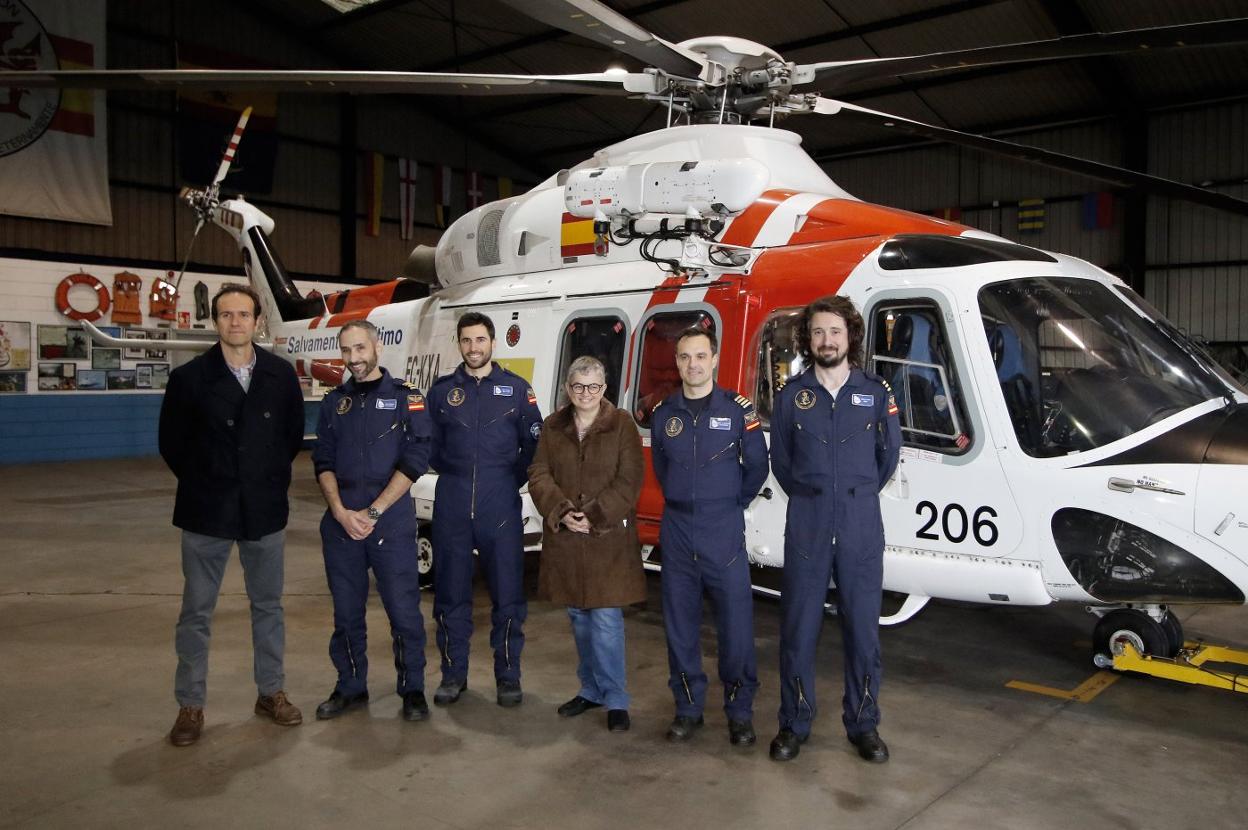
column 829, row 359
column 476, row 361
column 363, row 369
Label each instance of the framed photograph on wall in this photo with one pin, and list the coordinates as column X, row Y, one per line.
column 12, row 382
column 52, row 343
column 77, row 343
column 157, row 354
column 14, row 346
column 57, row 377
column 143, row 376
column 160, row 375
column 92, row 380
column 120, row 379
column 135, row 353
column 106, row 358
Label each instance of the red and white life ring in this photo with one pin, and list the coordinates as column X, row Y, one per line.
column 101, row 297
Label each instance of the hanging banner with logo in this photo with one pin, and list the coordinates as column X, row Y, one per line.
column 53, row 142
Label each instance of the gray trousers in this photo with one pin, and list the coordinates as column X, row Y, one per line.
column 203, row 566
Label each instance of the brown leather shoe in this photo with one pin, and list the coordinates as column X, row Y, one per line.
column 281, row 710
column 187, row 727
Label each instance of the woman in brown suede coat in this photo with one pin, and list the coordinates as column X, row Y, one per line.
column 585, row 480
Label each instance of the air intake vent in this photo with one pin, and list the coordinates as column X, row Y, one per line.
column 487, row 238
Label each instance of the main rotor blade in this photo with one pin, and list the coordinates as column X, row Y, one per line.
column 595, row 21
column 1034, row 155
column 328, row 81
column 836, row 74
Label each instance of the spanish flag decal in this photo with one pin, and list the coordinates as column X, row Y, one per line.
column 576, row 236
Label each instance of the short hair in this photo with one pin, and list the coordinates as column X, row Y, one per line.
column 474, row 318
column 698, row 331
column 364, row 326
column 843, row 307
column 584, row 365
column 236, row 288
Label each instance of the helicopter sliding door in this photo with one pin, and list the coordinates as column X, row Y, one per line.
column 949, row 494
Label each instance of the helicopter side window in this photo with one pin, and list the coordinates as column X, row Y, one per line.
column 604, row 337
column 910, row 349
column 778, row 360
column 657, row 375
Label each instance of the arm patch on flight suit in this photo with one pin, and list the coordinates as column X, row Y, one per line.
column 751, row 415
column 892, row 399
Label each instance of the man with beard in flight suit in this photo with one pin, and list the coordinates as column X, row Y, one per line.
column 372, row 443
column 710, row 459
column 835, row 442
column 485, row 425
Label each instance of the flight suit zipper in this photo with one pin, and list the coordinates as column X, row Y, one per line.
column 446, row 640
column 721, row 452
column 400, row 662
column 732, row 692
column 684, row 681
column 507, row 644
column 866, row 695
column 350, row 654
column 476, row 452
column 801, row 696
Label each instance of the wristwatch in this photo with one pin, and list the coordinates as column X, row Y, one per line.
column 373, row 513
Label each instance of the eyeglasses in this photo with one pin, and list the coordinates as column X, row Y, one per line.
column 591, row 388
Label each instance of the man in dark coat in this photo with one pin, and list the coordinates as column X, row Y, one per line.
column 230, row 425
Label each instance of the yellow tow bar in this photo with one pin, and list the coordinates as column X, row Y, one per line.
column 1188, row 666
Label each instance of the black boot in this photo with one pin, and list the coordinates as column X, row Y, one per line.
column 786, row 745
column 870, row 746
column 339, row 703
column 414, row 706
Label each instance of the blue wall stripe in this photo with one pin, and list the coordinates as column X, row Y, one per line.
column 67, row 427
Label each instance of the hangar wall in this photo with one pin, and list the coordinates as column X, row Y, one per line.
column 1196, row 258
column 150, row 226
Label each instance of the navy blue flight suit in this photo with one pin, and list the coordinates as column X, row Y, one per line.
column 365, row 433
column 833, row 457
column 710, row 469
column 485, row 433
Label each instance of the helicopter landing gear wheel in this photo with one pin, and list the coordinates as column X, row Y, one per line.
column 424, row 554
column 1174, row 631
column 1129, row 625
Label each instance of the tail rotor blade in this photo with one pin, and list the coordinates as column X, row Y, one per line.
column 228, row 157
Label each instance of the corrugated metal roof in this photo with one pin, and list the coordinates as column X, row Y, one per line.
column 491, row 36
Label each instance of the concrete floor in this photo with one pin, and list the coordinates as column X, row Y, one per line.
column 90, row 593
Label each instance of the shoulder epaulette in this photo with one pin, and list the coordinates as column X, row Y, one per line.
column 407, row 384
column 744, row 402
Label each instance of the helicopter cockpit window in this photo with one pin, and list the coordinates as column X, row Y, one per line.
column 778, row 360
column 1079, row 368
column 910, row 349
column 604, row 337
column 657, row 375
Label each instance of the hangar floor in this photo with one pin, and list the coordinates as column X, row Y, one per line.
column 91, row 591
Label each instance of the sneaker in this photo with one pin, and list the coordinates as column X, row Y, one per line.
column 576, row 706
column 187, row 727
column 280, row 710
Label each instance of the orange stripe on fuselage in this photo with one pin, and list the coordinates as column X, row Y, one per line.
column 835, row 219
column 745, row 227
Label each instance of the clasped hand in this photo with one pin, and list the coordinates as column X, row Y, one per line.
column 356, row 523
column 576, row 522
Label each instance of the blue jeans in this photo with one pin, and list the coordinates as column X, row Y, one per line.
column 599, row 634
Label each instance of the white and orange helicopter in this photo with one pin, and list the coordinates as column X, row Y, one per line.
column 1063, row 441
